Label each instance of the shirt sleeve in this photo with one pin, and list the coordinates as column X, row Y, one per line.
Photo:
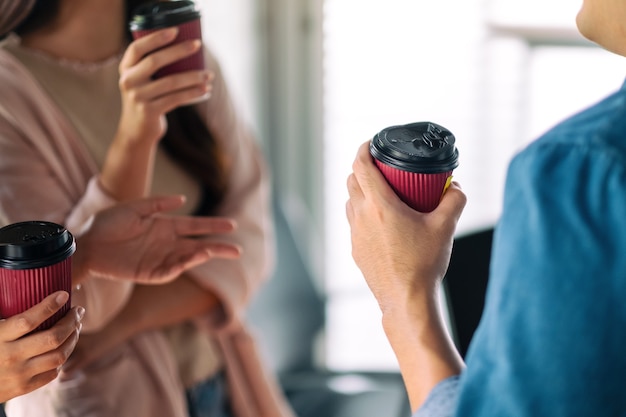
column 44, row 177
column 441, row 401
column 30, row 191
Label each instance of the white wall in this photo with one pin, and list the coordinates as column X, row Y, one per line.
column 230, row 29
column 496, row 73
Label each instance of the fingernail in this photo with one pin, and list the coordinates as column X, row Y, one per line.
column 170, row 32
column 81, row 312
column 195, row 45
column 62, row 298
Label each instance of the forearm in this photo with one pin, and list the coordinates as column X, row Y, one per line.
column 423, row 347
column 127, row 170
column 156, row 306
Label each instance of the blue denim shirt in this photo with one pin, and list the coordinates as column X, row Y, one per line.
column 552, row 339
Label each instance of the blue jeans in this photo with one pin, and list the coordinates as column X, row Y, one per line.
column 209, row 398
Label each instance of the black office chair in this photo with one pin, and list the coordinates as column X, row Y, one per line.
column 465, row 284
column 287, row 316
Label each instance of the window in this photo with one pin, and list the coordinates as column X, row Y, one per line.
column 496, row 74
column 227, row 27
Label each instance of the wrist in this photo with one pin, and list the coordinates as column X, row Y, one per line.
column 126, row 171
column 426, row 354
column 417, row 315
column 409, row 304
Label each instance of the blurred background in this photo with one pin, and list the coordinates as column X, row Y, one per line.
column 316, row 78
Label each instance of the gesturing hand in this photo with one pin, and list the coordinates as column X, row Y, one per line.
column 136, row 241
column 29, row 362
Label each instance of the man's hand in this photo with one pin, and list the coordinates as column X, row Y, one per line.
column 399, row 250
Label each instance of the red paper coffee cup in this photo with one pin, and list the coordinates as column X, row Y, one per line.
column 159, row 15
column 417, row 160
column 35, row 261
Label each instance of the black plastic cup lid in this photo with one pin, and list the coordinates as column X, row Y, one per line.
column 163, row 14
column 423, row 147
column 34, row 244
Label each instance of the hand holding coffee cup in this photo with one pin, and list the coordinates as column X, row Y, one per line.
column 181, row 14
column 35, row 261
column 417, row 161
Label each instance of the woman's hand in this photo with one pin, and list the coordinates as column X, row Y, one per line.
column 145, row 101
column 400, row 251
column 136, row 241
column 127, row 170
column 29, row 361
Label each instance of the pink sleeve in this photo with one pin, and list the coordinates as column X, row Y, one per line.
column 103, row 298
column 46, row 176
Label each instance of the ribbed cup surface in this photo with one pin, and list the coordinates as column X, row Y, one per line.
column 421, row 192
column 22, row 289
column 186, row 31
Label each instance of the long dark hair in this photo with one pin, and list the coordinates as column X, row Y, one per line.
column 188, row 139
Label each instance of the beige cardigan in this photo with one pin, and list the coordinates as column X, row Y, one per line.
column 46, row 173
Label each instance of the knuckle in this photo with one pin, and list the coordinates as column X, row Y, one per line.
column 50, row 309
column 133, row 95
column 169, row 83
column 121, row 68
column 463, row 198
column 10, row 358
column 53, row 339
column 143, row 108
column 23, row 384
column 152, row 61
column 124, row 82
column 58, row 358
column 24, row 324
